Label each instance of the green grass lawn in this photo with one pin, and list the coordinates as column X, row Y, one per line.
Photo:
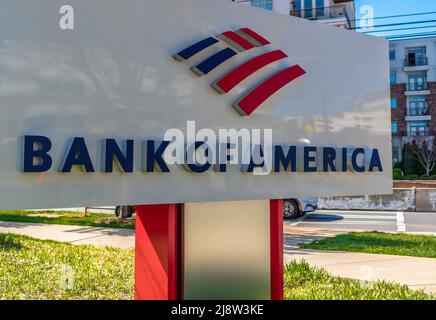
column 377, row 242
column 40, row 269
column 303, row 282
column 69, row 218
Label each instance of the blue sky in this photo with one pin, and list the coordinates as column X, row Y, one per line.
column 398, row 7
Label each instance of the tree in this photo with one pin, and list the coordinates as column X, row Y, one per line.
column 425, row 153
column 409, row 160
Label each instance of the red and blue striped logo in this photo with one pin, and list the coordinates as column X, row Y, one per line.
column 242, row 40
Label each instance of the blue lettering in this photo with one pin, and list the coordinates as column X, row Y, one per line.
column 78, row 155
column 308, row 159
column 375, row 161
column 344, row 159
column 113, row 152
column 155, row 156
column 257, row 150
column 328, row 159
column 280, row 160
column 222, row 167
column 197, row 168
column 41, row 153
column 354, row 160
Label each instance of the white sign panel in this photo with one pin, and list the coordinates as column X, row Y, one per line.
column 161, row 101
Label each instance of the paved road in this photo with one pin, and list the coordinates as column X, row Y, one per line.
column 384, row 221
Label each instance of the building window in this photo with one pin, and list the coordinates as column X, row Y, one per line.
column 417, row 81
column 297, row 5
column 415, row 57
column 319, row 8
column 394, row 103
column 393, row 78
column 264, row 4
column 394, row 127
column 308, row 12
column 392, row 54
column 417, row 107
column 417, row 129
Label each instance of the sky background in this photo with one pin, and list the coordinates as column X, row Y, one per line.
column 398, row 7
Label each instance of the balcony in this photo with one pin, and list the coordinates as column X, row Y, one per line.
column 333, row 12
column 417, row 89
column 409, row 137
column 416, row 64
column 418, row 114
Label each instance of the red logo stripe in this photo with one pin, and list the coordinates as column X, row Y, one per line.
column 255, row 36
column 266, row 89
column 237, row 75
column 238, row 40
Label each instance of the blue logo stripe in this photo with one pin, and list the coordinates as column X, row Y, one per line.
column 195, row 48
column 211, row 63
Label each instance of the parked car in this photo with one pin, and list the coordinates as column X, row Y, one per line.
column 124, row 211
column 296, row 208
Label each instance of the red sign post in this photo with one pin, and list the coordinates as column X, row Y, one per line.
column 159, row 261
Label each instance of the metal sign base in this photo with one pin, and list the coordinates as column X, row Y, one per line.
column 169, row 238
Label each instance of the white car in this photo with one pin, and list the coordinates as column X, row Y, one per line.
column 296, row 208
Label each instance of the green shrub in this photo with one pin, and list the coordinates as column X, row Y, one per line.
column 397, row 173
column 409, row 160
column 411, row 177
column 398, row 165
column 424, row 177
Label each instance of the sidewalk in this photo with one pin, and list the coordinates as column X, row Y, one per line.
column 417, row 273
column 111, row 237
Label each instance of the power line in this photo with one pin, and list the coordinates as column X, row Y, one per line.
column 397, row 16
column 396, row 24
column 411, row 28
column 411, row 35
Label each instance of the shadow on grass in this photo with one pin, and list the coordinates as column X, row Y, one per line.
column 7, row 243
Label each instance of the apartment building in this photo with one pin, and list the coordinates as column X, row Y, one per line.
column 339, row 13
column 282, row 6
column 413, row 91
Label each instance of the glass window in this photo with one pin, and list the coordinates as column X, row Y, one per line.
column 392, row 54
column 319, row 8
column 296, row 8
column 394, row 127
column 393, row 78
column 417, row 107
column 308, row 12
column 417, row 81
column 415, row 57
column 393, row 103
column 297, row 5
column 264, row 4
column 417, row 128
